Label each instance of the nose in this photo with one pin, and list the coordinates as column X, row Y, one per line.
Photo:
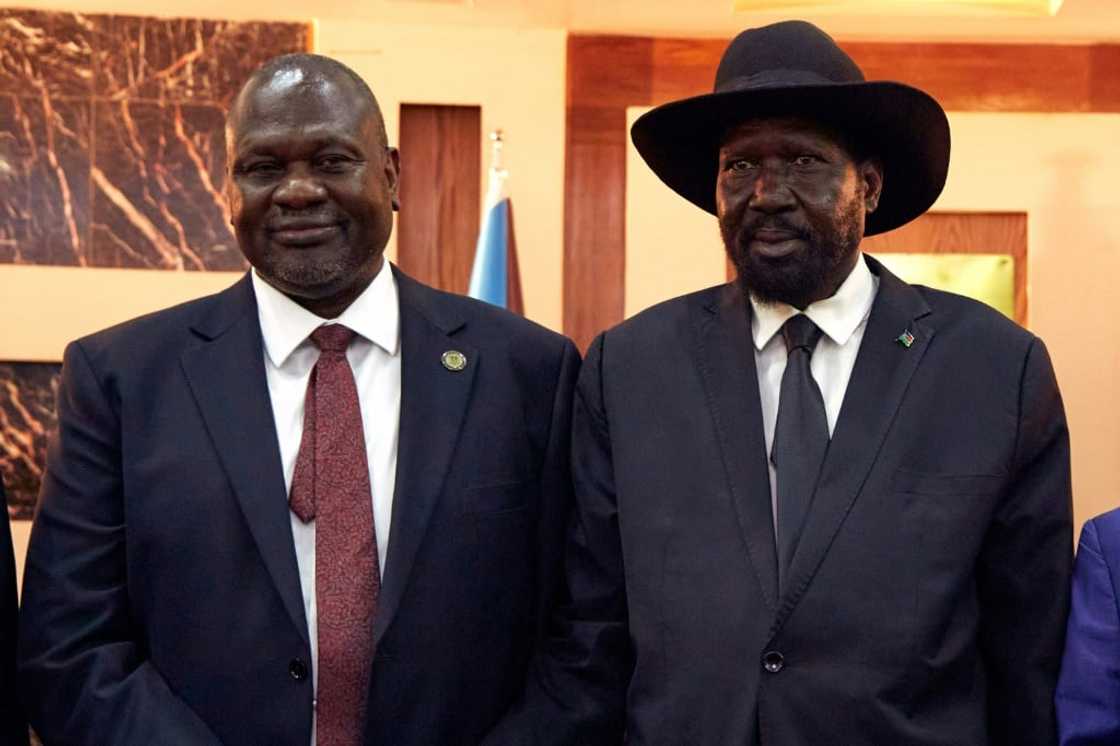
column 770, row 191
column 299, row 189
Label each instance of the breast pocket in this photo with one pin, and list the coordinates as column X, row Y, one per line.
column 498, row 497
column 945, row 485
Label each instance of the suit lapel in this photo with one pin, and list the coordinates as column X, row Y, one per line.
column 879, row 380
column 433, row 406
column 227, row 377
column 725, row 355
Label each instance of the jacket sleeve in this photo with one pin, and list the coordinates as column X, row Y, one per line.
column 85, row 676
column 577, row 683
column 13, row 729
column 1088, row 697
column 556, row 491
column 1024, row 570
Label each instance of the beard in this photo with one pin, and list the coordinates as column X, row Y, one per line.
column 805, row 276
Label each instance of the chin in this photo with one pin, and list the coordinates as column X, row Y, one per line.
column 311, row 281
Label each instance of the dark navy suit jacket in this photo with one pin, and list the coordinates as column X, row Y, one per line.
column 1088, row 697
column 162, row 602
column 926, row 603
column 13, row 729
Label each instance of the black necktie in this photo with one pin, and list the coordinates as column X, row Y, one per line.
column 800, row 437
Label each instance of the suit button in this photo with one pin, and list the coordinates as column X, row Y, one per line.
column 297, row 669
column 773, row 661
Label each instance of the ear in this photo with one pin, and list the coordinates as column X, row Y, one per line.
column 393, row 176
column 871, row 176
column 233, row 192
column 233, row 198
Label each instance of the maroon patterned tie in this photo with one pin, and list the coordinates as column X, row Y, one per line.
column 331, row 485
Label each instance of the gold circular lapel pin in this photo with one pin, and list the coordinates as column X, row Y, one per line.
column 453, row 360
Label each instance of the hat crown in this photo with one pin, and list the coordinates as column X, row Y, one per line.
column 782, row 54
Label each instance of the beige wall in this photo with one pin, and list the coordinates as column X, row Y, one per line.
column 1061, row 169
column 517, row 77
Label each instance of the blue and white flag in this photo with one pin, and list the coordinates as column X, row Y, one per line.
column 494, row 274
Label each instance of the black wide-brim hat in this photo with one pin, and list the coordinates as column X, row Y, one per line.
column 793, row 68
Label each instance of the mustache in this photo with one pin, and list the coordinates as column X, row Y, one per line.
column 772, row 223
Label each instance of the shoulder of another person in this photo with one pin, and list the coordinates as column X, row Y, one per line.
column 959, row 314
column 1106, row 527
column 659, row 326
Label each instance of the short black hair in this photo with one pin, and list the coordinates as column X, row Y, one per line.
column 316, row 67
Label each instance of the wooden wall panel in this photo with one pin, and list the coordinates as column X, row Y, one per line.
column 441, row 156
column 964, row 233
column 995, row 77
column 606, row 74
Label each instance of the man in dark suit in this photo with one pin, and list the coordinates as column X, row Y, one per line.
column 13, row 729
column 172, row 594
column 1088, row 696
column 753, row 563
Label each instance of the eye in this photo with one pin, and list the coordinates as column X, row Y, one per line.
column 261, row 168
column 805, row 160
column 740, row 166
column 333, row 163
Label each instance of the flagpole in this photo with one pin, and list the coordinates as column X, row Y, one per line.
column 497, row 173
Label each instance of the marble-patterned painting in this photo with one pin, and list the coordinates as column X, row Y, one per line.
column 112, row 150
column 112, row 154
column 156, row 153
column 185, row 59
column 27, row 417
column 44, row 176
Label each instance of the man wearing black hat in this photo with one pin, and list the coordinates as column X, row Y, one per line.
column 816, row 505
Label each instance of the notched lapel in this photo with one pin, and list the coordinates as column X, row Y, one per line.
column 882, row 373
column 433, row 406
column 725, row 355
column 227, row 378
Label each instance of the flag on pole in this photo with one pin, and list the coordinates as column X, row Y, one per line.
column 494, row 276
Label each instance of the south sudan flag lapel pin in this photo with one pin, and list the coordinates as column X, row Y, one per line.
column 905, row 339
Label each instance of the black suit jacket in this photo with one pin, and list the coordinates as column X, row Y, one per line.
column 13, row 729
column 929, row 590
column 162, row 599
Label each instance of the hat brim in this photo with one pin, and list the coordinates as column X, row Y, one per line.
column 902, row 126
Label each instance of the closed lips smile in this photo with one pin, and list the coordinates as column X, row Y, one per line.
column 304, row 234
column 773, row 235
column 774, row 243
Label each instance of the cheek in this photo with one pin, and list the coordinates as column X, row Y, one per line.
column 246, row 204
column 831, row 202
column 730, row 201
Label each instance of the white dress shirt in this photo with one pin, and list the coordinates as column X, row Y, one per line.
column 374, row 356
column 843, row 319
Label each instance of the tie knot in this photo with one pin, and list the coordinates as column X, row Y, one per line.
column 800, row 331
column 332, row 338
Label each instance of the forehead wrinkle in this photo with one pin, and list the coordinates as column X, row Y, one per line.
column 314, row 137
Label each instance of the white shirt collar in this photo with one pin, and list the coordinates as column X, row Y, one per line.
column 838, row 316
column 375, row 315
